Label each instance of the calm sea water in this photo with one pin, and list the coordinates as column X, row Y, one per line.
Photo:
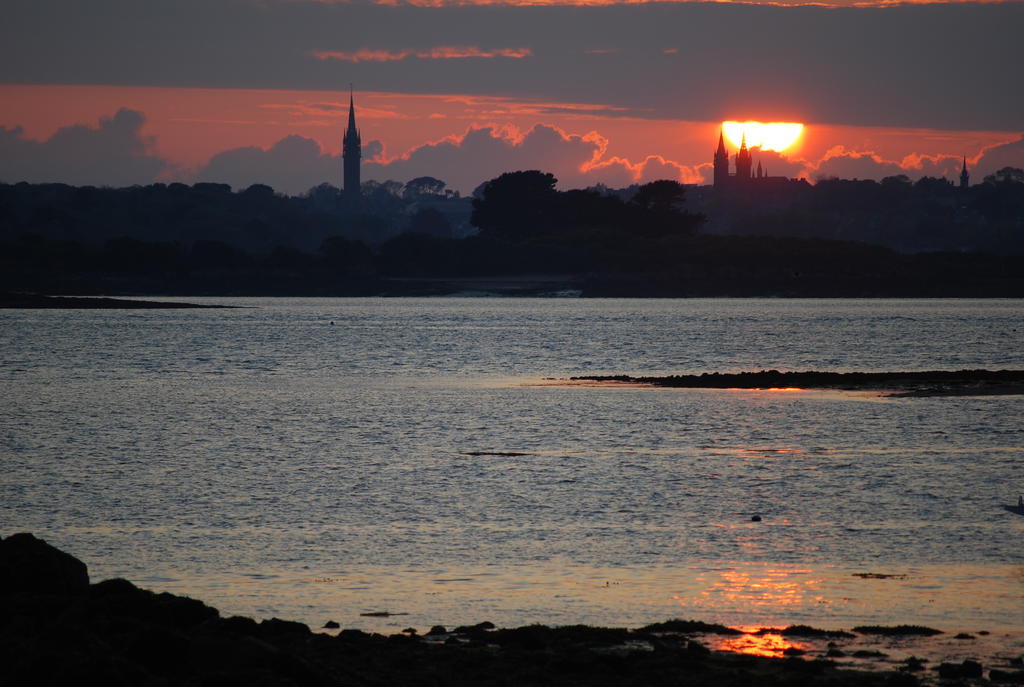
column 322, row 458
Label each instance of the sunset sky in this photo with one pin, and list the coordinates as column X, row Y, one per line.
column 120, row 92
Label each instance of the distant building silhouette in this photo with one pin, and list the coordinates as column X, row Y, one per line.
column 744, row 177
column 964, row 176
column 351, row 152
column 721, row 163
column 744, row 163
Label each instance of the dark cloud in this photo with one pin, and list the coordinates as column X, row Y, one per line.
column 577, row 161
column 295, row 164
column 292, row 165
column 484, row 153
column 115, row 153
column 847, row 164
column 941, row 66
column 617, row 172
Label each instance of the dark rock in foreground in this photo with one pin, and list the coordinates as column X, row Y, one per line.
column 806, row 631
column 897, row 630
column 936, row 382
column 31, row 566
column 691, row 627
column 34, row 301
column 56, row 629
column 953, row 671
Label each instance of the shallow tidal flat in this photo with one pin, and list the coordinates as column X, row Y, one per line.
column 322, row 459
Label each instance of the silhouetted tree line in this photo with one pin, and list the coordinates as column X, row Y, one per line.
column 640, row 241
column 255, row 219
column 930, row 214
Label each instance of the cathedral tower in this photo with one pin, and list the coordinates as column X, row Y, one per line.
column 744, row 163
column 964, row 176
column 351, row 152
column 721, row 163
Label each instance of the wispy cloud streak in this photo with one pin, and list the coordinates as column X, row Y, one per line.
column 441, row 52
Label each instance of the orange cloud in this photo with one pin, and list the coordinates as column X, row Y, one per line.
column 441, row 52
column 454, row 52
column 186, row 127
column 362, row 55
column 577, row 160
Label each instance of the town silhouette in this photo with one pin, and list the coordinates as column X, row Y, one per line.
column 746, row 234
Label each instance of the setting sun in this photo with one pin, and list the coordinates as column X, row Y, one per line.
column 775, row 136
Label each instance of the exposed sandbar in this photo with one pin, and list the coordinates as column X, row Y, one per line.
column 35, row 301
column 929, row 383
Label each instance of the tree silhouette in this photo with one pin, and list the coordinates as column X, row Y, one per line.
column 516, row 204
column 1006, row 175
column 662, row 197
column 423, row 186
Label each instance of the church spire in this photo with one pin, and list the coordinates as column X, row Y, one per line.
column 721, row 162
column 964, row 176
column 352, row 133
column 744, row 162
column 351, row 152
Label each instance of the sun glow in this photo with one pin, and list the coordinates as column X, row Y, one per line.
column 775, row 136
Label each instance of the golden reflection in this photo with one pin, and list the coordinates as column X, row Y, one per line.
column 766, row 644
column 765, row 388
column 767, row 592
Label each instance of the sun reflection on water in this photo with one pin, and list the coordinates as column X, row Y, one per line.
column 764, row 593
column 755, row 643
column 765, row 388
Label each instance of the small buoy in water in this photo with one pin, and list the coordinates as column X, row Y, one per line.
column 756, row 518
column 332, row 323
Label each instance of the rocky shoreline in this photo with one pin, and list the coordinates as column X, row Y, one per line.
column 926, row 383
column 57, row 628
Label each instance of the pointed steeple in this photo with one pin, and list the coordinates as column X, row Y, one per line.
column 351, row 152
column 352, row 133
column 744, row 162
column 759, row 172
column 721, row 162
column 964, row 176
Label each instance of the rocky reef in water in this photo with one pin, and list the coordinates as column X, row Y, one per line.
column 57, row 628
column 924, row 383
